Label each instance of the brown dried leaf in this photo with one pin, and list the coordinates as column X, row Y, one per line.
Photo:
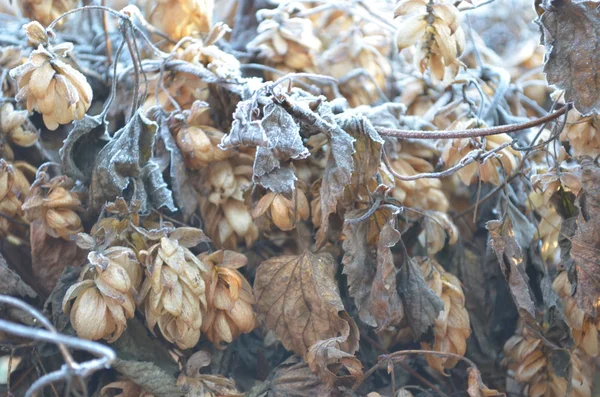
column 421, row 305
column 325, row 359
column 298, row 298
column 584, row 273
column 50, row 256
column 11, row 284
column 292, row 378
column 510, row 258
column 369, row 265
column 570, row 33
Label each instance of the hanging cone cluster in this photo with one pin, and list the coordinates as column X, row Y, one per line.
column 180, row 18
column 586, row 330
column 52, row 203
column 174, row 291
column 104, row 295
column 16, row 129
column 49, row 85
column 583, row 134
column 45, row 11
column 528, row 359
column 436, row 29
column 14, row 188
column 229, row 298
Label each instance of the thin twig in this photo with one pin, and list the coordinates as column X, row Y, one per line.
column 472, row 133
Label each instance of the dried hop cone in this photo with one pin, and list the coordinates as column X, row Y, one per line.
column 528, row 359
column 49, row 85
column 45, row 11
column 15, row 128
column 14, row 186
column 180, row 18
column 585, row 328
column 583, row 133
column 226, row 217
column 104, row 295
column 489, row 170
column 282, row 211
column 51, row 202
column 452, row 327
column 198, row 141
column 229, row 297
column 174, row 290
column 436, row 28
column 284, row 41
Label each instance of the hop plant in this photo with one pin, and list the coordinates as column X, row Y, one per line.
column 174, row 290
column 49, row 85
column 180, row 18
column 585, row 328
column 282, row 211
column 436, row 29
column 104, row 295
column 583, row 133
column 229, row 298
column 226, row 216
column 528, row 359
column 284, row 41
column 455, row 150
column 452, row 327
column 10, row 57
column 53, row 204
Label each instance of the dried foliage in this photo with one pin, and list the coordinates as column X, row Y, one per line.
column 299, row 198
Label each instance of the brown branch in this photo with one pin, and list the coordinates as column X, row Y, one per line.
column 472, row 133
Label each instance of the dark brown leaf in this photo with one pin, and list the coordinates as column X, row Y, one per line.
column 571, row 34
column 11, row 284
column 510, row 258
column 369, row 265
column 421, row 305
column 298, row 299
column 50, row 256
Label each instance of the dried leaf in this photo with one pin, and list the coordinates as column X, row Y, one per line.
column 421, row 305
column 245, row 129
column 369, row 265
column 367, row 147
column 180, row 178
column 476, row 387
column 50, row 256
column 570, row 33
column 336, row 176
column 11, row 284
column 292, row 378
column 325, row 359
column 584, row 272
column 81, row 147
column 149, row 377
column 510, row 258
column 298, row 298
column 126, row 163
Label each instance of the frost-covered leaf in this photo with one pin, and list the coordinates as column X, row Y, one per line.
column 326, row 359
column 571, row 34
column 298, row 298
column 247, row 128
column 271, row 165
column 125, row 163
column 180, row 178
column 81, row 147
column 421, row 305
column 370, row 269
column 149, row 377
column 512, row 263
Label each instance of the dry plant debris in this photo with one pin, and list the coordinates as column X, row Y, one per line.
column 299, row 198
